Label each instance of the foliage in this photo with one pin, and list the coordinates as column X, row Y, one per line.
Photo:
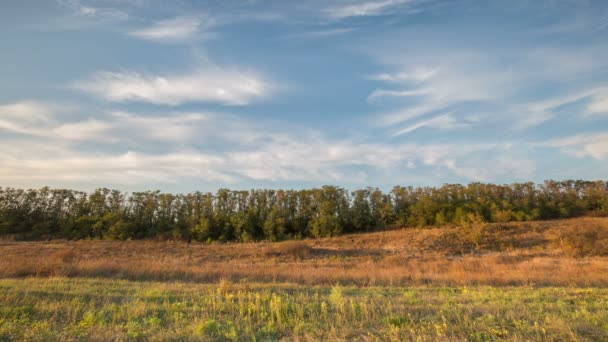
column 515, row 253
column 294, row 249
column 285, row 214
column 584, row 241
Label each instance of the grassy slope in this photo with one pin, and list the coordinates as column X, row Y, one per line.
column 514, row 254
column 63, row 309
column 518, row 281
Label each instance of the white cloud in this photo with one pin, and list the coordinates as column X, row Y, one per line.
column 319, row 34
column 504, row 87
column 504, row 165
column 210, row 147
column 38, row 120
column 174, row 127
column 27, row 111
column 445, row 121
column 86, row 130
column 215, row 85
column 581, row 145
column 45, row 121
column 449, row 84
column 424, row 90
column 27, row 117
column 599, row 103
column 80, row 8
column 418, row 74
column 409, row 113
column 175, row 29
column 378, row 94
column 535, row 113
column 123, row 168
column 364, row 8
column 286, row 159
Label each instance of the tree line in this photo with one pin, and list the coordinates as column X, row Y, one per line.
column 229, row 215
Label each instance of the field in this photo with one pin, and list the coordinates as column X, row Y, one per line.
column 518, row 281
column 100, row 309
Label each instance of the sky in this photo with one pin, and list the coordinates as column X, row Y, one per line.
column 200, row 95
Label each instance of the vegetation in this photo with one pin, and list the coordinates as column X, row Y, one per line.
column 543, row 280
column 498, row 254
column 275, row 215
column 80, row 309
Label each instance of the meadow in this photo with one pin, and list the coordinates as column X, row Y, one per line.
column 100, row 309
column 544, row 280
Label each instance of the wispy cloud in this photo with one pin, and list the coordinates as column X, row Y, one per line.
column 125, row 168
column 177, row 29
column 47, row 121
column 421, row 90
column 599, row 103
column 84, row 9
column 291, row 158
column 132, row 128
column 534, row 113
column 320, row 34
column 209, row 147
column 418, row 74
column 364, row 8
column 593, row 145
column 214, row 85
column 85, row 130
column 445, row 121
column 27, row 117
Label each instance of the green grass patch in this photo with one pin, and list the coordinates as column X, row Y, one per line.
column 90, row 309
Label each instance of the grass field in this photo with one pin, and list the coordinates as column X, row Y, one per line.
column 520, row 281
column 96, row 309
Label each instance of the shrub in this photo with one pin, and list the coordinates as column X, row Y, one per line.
column 468, row 238
column 584, row 241
column 295, row 249
column 66, row 256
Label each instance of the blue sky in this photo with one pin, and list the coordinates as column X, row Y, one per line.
column 199, row 95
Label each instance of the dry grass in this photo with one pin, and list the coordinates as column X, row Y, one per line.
column 294, row 249
column 583, row 241
column 512, row 254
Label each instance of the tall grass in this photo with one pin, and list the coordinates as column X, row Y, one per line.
column 80, row 309
column 536, row 253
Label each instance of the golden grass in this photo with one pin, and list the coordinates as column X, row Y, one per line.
column 532, row 253
column 295, row 249
column 78, row 309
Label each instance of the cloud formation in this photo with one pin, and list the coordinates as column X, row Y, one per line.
column 582, row 145
column 364, row 8
column 599, row 103
column 83, row 9
column 444, row 121
column 177, row 29
column 209, row 147
column 212, row 85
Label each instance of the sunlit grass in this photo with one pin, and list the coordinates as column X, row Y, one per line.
column 95, row 309
column 521, row 254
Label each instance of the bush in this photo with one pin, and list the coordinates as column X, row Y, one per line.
column 584, row 241
column 295, row 249
column 468, row 238
column 64, row 256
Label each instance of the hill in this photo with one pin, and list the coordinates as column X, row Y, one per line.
column 558, row 252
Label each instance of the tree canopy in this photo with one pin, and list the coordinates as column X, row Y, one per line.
column 265, row 214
